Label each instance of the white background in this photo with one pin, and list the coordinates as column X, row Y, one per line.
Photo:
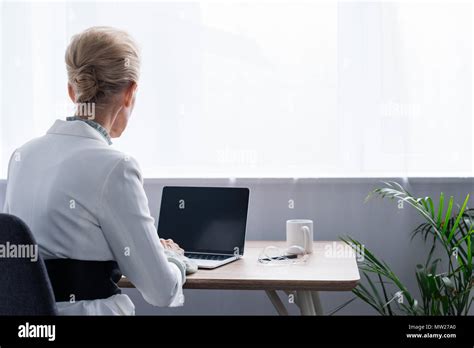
column 260, row 88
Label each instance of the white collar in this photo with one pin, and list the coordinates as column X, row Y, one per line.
column 77, row 129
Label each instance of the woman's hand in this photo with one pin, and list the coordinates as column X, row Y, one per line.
column 170, row 245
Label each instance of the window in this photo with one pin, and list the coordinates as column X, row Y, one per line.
column 262, row 89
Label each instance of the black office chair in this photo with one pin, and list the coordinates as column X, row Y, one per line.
column 25, row 288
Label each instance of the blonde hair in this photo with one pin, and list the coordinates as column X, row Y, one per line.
column 100, row 62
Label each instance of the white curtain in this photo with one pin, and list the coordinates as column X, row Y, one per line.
column 262, row 89
column 405, row 86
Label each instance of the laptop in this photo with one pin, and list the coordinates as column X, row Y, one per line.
column 209, row 223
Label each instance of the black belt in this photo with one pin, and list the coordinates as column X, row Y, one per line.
column 76, row 280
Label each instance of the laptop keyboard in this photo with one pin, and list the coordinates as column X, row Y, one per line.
column 207, row 257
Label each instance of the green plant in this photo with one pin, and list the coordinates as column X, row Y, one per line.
column 444, row 283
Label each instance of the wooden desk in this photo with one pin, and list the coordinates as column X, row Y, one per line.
column 328, row 268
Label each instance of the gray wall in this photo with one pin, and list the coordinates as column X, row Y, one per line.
column 337, row 207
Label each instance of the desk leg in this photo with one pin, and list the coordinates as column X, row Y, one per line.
column 305, row 302
column 308, row 302
column 276, row 301
column 317, row 303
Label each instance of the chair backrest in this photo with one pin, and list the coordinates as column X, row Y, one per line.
column 25, row 288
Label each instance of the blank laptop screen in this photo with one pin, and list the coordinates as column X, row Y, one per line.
column 205, row 219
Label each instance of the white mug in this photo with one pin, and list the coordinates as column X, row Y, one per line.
column 300, row 233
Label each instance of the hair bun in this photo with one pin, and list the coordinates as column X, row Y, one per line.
column 86, row 84
column 95, row 64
